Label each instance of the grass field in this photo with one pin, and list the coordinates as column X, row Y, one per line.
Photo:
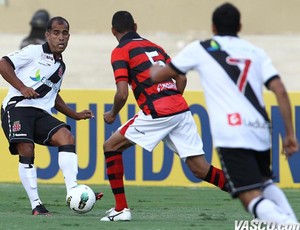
column 155, row 208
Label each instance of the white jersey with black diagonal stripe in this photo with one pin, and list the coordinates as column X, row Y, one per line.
column 233, row 73
column 36, row 67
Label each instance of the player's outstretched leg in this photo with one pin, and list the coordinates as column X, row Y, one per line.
column 272, row 192
column 207, row 172
column 68, row 163
column 28, row 176
column 266, row 210
column 115, row 173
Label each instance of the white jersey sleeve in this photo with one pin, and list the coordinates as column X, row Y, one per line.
column 23, row 57
column 187, row 59
column 267, row 68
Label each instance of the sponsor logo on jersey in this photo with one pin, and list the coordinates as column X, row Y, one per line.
column 46, row 60
column 234, row 119
column 256, row 124
column 166, row 86
column 213, row 46
column 20, row 135
column 16, row 126
column 48, row 57
column 37, row 76
column 50, row 84
column 139, row 131
column 44, row 64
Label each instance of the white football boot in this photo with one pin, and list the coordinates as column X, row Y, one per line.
column 113, row 215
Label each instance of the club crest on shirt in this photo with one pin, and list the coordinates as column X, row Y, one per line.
column 60, row 72
column 16, row 126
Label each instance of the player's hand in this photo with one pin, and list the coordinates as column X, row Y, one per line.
column 290, row 145
column 28, row 92
column 108, row 117
column 85, row 114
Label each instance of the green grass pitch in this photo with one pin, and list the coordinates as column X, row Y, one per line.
column 155, row 208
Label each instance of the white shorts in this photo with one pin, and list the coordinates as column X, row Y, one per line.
column 179, row 132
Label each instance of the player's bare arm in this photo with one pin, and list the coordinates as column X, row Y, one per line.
column 290, row 143
column 63, row 108
column 119, row 101
column 8, row 73
column 160, row 74
column 180, row 82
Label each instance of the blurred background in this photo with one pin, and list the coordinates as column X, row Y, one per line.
column 270, row 24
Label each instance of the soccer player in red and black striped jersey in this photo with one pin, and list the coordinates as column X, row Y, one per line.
column 164, row 114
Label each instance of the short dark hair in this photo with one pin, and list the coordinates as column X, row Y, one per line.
column 226, row 19
column 59, row 20
column 122, row 21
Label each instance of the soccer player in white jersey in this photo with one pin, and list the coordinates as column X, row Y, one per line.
column 35, row 74
column 233, row 73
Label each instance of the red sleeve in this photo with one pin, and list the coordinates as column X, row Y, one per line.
column 119, row 63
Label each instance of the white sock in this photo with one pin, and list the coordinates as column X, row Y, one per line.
column 272, row 192
column 267, row 210
column 68, row 163
column 28, row 176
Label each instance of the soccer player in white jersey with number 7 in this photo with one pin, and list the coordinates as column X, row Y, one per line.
column 35, row 74
column 233, row 73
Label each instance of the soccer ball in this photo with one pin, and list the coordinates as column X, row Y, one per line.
column 81, row 199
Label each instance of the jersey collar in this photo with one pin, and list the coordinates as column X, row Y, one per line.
column 46, row 49
column 227, row 34
column 130, row 35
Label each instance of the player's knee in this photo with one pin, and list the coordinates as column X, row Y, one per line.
column 70, row 138
column 106, row 146
column 25, row 149
column 63, row 137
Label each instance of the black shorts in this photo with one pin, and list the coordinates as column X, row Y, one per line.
column 245, row 169
column 28, row 124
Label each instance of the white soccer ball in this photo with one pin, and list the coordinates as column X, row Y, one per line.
column 81, row 199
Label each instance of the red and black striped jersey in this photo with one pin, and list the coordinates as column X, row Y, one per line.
column 131, row 61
